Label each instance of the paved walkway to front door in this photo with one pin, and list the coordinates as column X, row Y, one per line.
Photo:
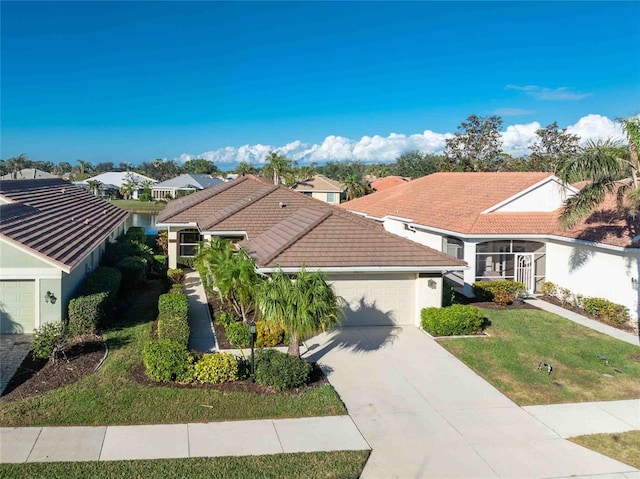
column 425, row 414
column 13, row 349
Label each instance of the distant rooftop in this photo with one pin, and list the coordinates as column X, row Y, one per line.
column 27, row 174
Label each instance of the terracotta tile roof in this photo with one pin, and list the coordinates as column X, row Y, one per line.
column 455, row 202
column 290, row 230
column 387, row 182
column 319, row 183
column 56, row 219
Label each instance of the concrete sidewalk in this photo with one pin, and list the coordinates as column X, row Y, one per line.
column 202, row 338
column 570, row 420
column 584, row 321
column 167, row 441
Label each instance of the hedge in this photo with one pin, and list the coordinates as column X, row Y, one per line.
column 104, row 280
column 173, row 317
column 501, row 292
column 606, row 310
column 133, row 270
column 86, row 313
column 136, row 233
column 166, row 360
column 455, row 320
column 173, row 305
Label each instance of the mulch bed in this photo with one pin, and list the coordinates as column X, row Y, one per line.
column 36, row 377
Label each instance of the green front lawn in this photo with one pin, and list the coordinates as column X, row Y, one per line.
column 623, row 446
column 136, row 206
column 341, row 464
column 521, row 338
column 110, row 396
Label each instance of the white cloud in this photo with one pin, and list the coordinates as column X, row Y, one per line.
column 552, row 94
column 516, row 140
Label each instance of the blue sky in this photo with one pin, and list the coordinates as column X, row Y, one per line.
column 125, row 81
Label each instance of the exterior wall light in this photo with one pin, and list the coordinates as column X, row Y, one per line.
column 50, row 298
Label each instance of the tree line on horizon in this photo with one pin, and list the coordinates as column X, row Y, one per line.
column 475, row 147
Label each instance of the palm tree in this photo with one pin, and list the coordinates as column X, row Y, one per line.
column 244, row 168
column 231, row 272
column 355, row 187
column 608, row 168
column 83, row 169
column 129, row 186
column 303, row 306
column 94, row 186
column 276, row 166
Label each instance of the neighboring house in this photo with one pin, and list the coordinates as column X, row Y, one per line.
column 27, row 174
column 387, row 182
column 385, row 279
column 505, row 226
column 115, row 180
column 52, row 234
column 321, row 188
column 182, row 185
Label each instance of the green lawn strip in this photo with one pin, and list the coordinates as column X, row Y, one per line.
column 521, row 338
column 136, row 206
column 623, row 447
column 109, row 396
column 338, row 464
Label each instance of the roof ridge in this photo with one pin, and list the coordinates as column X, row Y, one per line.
column 287, row 244
column 197, row 197
column 228, row 211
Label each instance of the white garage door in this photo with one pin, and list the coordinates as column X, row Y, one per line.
column 377, row 299
column 17, row 307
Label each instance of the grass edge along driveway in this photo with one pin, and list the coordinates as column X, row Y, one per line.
column 623, row 446
column 110, row 396
column 520, row 339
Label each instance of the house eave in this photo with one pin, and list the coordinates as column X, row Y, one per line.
column 365, row 269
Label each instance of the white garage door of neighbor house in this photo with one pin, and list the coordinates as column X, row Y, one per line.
column 17, row 307
column 376, row 300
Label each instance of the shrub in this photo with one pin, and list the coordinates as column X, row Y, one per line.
column 606, row 310
column 175, row 329
column 268, row 334
column 173, row 305
column 144, row 197
column 448, row 293
column 217, row 368
column 186, row 261
column 564, row 295
column 548, row 288
column 48, row 340
column 238, row 334
column 458, row 319
column 176, row 288
column 103, row 280
column 86, row 313
column 176, row 275
column 159, row 264
column 225, row 319
column 500, row 292
column 133, row 271
column 136, row 233
column 166, row 360
column 280, row 371
column 162, row 241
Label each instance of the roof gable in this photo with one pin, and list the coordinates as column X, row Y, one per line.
column 319, row 183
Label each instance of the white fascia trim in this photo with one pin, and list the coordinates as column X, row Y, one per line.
column 29, row 273
column 178, row 225
column 36, row 255
column 527, row 190
column 375, row 218
column 522, row 236
column 225, row 233
column 367, row 269
column 398, row 218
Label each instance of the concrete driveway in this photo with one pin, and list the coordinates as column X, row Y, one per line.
column 425, row 414
column 13, row 349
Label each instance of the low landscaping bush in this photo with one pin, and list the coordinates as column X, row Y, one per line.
column 225, row 318
column 86, row 313
column 280, row 371
column 173, row 317
column 176, row 288
column 47, row 340
column 238, row 334
column 448, row 293
column 455, row 320
column 165, row 360
column 606, row 310
column 176, row 276
column 217, row 368
column 175, row 329
column 173, row 305
column 186, row 261
column 159, row 264
column 548, row 288
column 500, row 292
column 268, row 334
column 136, row 233
column 133, row 270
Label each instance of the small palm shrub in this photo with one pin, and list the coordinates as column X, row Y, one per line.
column 48, row 340
column 281, row 371
column 166, row 360
column 176, row 275
column 500, row 292
column 606, row 310
column 217, row 368
column 238, row 334
column 455, row 320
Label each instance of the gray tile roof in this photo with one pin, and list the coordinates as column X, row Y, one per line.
column 55, row 219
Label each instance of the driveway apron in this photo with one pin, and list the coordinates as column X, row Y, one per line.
column 425, row 414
